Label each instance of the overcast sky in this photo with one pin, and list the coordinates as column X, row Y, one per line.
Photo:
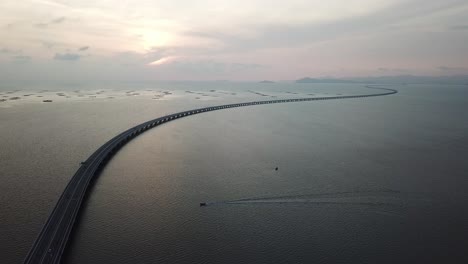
column 235, row 40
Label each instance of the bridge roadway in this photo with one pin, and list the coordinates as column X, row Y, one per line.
column 51, row 242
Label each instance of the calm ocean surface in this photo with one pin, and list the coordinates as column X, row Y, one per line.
column 372, row 180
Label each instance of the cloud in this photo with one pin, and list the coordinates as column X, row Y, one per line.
column 53, row 21
column 67, row 57
column 201, row 66
column 445, row 68
column 131, row 58
column 10, row 51
column 48, row 44
column 21, row 59
column 41, row 25
column 392, row 70
column 202, row 34
column 58, row 20
column 459, row 27
column 277, row 35
column 162, row 61
column 245, row 66
column 293, row 38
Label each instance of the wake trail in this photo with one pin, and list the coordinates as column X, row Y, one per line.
column 369, row 198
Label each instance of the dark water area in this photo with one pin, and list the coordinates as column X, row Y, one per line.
column 373, row 180
column 145, row 206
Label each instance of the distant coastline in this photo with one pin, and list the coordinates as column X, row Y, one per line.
column 397, row 79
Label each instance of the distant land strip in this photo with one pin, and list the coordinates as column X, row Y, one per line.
column 52, row 240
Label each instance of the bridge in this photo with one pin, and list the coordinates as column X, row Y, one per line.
column 52, row 240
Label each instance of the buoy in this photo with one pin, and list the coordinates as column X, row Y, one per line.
column 276, row 168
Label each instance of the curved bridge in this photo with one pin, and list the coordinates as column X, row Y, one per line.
column 49, row 246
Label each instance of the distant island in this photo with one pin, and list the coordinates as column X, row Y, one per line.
column 266, row 81
column 322, row 80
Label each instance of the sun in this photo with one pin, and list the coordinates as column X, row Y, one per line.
column 151, row 39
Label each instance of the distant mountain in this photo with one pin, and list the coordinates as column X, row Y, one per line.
column 322, row 80
column 266, row 81
column 399, row 79
column 412, row 79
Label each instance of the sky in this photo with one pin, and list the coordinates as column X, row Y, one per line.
column 231, row 40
